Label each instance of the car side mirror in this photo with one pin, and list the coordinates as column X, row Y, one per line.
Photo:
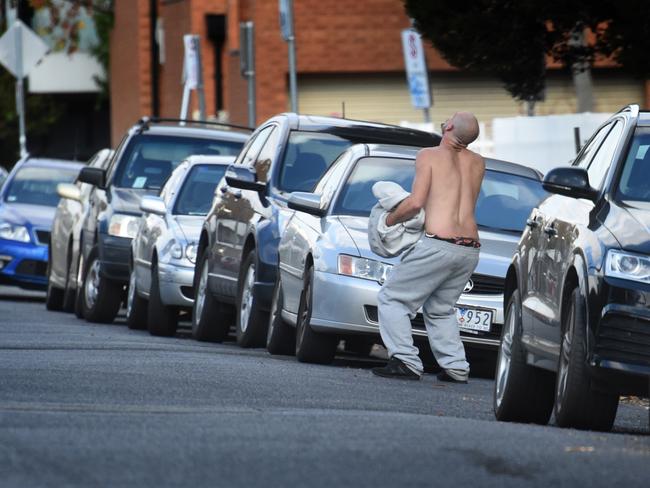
column 243, row 179
column 153, row 204
column 570, row 181
column 69, row 191
column 93, row 176
column 306, row 202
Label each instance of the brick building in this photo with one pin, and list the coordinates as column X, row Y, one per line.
column 346, row 52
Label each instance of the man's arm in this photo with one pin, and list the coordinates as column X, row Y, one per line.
column 411, row 205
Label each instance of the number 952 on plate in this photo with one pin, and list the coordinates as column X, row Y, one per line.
column 474, row 319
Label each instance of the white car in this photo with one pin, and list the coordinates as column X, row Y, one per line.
column 164, row 248
column 329, row 277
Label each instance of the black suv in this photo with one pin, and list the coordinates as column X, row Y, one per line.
column 238, row 248
column 142, row 163
column 577, row 326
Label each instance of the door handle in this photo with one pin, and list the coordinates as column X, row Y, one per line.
column 532, row 223
column 550, row 231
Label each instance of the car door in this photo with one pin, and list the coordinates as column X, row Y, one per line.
column 234, row 212
column 567, row 219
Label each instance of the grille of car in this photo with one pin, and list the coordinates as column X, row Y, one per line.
column 43, row 236
column 625, row 339
column 31, row 267
column 487, row 285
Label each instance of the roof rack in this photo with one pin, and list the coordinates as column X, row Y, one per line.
column 144, row 123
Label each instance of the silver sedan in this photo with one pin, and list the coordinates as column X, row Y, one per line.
column 164, row 249
column 329, row 277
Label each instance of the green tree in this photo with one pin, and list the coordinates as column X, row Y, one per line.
column 513, row 38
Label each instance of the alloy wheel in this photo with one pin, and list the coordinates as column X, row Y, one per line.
column 505, row 356
column 92, row 284
column 131, row 294
column 247, row 298
column 200, row 293
column 303, row 319
column 565, row 355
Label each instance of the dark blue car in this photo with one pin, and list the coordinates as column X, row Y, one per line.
column 28, row 200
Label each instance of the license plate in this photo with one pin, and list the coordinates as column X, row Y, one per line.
column 474, row 319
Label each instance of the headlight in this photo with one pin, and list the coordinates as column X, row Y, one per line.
column 627, row 266
column 367, row 269
column 122, row 225
column 191, row 250
column 14, row 232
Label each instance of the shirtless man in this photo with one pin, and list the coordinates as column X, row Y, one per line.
column 433, row 273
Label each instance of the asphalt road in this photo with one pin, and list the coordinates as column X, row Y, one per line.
column 99, row 405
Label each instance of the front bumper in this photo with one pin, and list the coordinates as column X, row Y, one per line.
column 344, row 304
column 23, row 264
column 176, row 284
column 114, row 256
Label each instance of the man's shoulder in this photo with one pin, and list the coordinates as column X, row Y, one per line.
column 474, row 156
column 431, row 154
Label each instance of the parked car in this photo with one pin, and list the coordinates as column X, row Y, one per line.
column 329, row 277
column 3, row 175
column 142, row 163
column 237, row 263
column 62, row 269
column 164, row 249
column 577, row 331
column 27, row 203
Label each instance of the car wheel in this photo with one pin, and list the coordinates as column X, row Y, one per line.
column 163, row 319
column 53, row 294
column 101, row 297
column 210, row 319
column 78, row 300
column 281, row 336
column 577, row 403
column 136, row 306
column 312, row 346
column 251, row 322
column 70, row 292
column 522, row 393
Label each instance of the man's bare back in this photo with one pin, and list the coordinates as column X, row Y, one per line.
column 447, row 183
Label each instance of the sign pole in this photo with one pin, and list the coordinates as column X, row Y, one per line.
column 250, row 57
column 288, row 34
column 20, row 94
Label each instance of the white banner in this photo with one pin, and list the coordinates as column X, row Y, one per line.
column 416, row 69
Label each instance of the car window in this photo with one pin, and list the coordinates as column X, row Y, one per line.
column 331, row 180
column 585, row 157
column 635, row 179
column 37, row 185
column 602, row 161
column 254, row 148
column 307, row 157
column 265, row 157
column 197, row 192
column 149, row 159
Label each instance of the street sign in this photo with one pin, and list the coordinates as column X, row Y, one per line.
column 191, row 61
column 18, row 38
column 286, row 19
column 416, row 69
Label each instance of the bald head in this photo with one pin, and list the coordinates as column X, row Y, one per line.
column 465, row 127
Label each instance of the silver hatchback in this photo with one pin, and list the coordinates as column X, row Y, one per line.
column 329, row 277
column 165, row 245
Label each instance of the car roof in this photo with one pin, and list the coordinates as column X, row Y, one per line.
column 191, row 131
column 210, row 159
column 395, row 151
column 359, row 128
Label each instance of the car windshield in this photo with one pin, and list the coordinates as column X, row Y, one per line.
column 307, row 157
column 149, row 160
column 634, row 184
column 197, row 192
column 36, row 185
column 504, row 203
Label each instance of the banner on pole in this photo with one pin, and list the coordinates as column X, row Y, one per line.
column 416, row 69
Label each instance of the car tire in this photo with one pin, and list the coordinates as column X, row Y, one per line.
column 251, row 323
column 577, row 403
column 162, row 319
column 522, row 393
column 69, row 292
column 136, row 306
column 53, row 294
column 312, row 346
column 78, row 299
column 210, row 319
column 281, row 336
column 101, row 297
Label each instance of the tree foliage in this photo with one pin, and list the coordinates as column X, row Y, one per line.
column 513, row 39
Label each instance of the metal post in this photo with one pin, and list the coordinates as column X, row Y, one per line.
column 199, row 87
column 288, row 32
column 250, row 72
column 427, row 115
column 20, row 94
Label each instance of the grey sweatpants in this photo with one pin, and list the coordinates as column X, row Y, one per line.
column 432, row 274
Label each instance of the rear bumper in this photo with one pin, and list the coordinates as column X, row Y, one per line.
column 343, row 304
column 23, row 264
